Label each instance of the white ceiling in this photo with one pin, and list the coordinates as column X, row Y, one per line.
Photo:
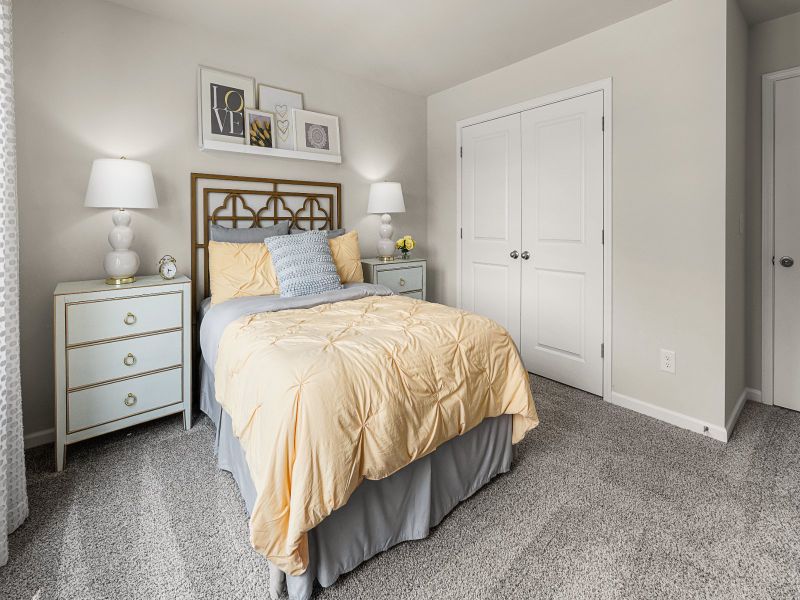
column 758, row 11
column 421, row 46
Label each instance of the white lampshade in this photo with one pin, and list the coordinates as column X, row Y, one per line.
column 386, row 197
column 120, row 183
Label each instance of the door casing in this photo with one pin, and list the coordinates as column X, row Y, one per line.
column 768, row 81
column 604, row 85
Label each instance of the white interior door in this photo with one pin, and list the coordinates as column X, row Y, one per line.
column 490, row 210
column 787, row 243
column 562, row 245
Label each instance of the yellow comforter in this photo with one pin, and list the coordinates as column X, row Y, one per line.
column 322, row 398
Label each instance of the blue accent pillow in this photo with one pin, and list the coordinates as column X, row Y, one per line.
column 303, row 263
column 249, row 235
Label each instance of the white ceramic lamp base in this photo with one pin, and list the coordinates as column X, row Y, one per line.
column 121, row 263
column 385, row 243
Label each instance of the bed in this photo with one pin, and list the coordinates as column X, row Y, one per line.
column 288, row 445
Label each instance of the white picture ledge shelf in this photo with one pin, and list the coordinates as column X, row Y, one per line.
column 278, row 152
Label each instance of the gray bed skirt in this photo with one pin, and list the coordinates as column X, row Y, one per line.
column 383, row 513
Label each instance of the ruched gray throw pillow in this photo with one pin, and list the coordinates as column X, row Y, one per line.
column 303, row 263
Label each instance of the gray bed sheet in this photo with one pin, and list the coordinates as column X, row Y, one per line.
column 379, row 514
column 216, row 318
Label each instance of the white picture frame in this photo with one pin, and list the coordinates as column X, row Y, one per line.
column 316, row 132
column 281, row 103
column 258, row 116
column 222, row 98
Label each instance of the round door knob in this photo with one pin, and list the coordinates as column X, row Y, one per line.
column 526, row 255
column 514, row 254
column 402, row 281
column 129, row 360
column 130, row 400
column 129, row 319
column 786, row 261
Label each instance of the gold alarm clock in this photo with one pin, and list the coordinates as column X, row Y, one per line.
column 167, row 267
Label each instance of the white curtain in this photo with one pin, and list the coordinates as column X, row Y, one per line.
column 13, row 497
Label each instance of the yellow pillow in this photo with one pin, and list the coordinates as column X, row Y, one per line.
column 237, row 270
column 347, row 257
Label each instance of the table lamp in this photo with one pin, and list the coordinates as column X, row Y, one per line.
column 120, row 183
column 384, row 198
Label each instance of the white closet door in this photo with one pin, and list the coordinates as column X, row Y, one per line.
column 490, row 210
column 562, row 222
column 787, row 243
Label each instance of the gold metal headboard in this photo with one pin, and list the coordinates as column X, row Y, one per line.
column 244, row 202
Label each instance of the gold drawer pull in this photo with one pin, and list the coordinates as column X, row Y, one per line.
column 402, row 281
column 129, row 319
column 130, row 400
column 129, row 360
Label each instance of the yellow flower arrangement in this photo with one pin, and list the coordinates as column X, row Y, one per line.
column 405, row 244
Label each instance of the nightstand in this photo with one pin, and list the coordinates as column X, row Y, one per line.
column 403, row 276
column 122, row 356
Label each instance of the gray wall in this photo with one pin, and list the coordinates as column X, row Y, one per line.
column 773, row 46
column 735, row 193
column 97, row 80
column 668, row 67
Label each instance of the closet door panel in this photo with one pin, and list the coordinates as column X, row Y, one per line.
column 786, row 344
column 562, row 222
column 491, row 229
column 560, row 308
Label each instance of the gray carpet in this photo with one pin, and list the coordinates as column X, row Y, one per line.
column 601, row 503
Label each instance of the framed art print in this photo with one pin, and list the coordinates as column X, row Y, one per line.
column 316, row 132
column 260, row 127
column 280, row 103
column 222, row 100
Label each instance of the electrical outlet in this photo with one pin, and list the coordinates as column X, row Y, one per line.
column 668, row 361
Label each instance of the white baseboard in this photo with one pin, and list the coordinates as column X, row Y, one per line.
column 40, row 438
column 737, row 410
column 670, row 416
column 754, row 394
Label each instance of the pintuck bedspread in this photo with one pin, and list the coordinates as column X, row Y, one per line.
column 322, row 398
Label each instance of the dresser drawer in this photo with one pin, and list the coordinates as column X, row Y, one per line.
column 113, row 401
column 417, row 294
column 401, row 280
column 112, row 360
column 105, row 319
